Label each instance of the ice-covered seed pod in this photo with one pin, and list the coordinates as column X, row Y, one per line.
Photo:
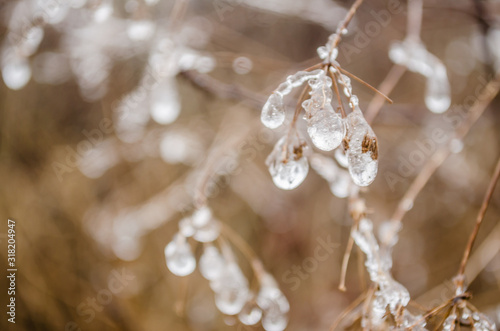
column 207, row 232
column 287, row 163
column 211, row 263
column 437, row 97
column 231, row 290
column 16, row 72
column 274, row 305
column 361, row 149
column 273, row 112
column 179, row 257
column 326, row 129
column 251, row 313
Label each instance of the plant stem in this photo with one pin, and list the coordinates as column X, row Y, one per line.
column 484, row 99
column 479, row 219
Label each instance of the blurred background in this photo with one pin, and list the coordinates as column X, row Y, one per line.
column 111, row 112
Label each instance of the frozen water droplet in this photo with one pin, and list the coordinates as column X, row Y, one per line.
column 140, row 30
column 340, row 186
column 231, row 290
column 288, row 165
column 165, row 106
column 207, row 232
column 363, row 151
column 284, row 88
column 250, row 314
column 398, row 53
column 201, row 216
column 437, row 97
column 179, row 257
column 273, row 112
column 322, row 52
column 326, row 129
column 16, row 73
column 274, row 321
column 211, row 263
column 456, row 146
column 186, row 227
column 104, row 11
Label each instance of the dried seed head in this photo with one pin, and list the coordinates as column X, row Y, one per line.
column 370, row 144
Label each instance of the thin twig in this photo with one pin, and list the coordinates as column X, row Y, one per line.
column 349, row 308
column 477, row 109
column 364, row 83
column 479, row 219
column 386, row 87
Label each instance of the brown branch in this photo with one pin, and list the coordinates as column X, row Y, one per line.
column 364, row 83
column 479, row 220
column 386, row 87
column 477, row 109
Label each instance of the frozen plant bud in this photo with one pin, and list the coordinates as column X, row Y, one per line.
column 273, row 112
column 231, row 290
column 326, row 129
column 287, row 163
column 179, row 257
column 212, row 263
column 361, row 148
column 251, row 313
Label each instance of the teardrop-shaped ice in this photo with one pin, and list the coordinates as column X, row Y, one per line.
column 250, row 314
column 179, row 257
column 288, row 165
column 274, row 321
column 16, row 73
column 273, row 112
column 211, row 263
column 437, row 97
column 186, row 227
column 231, row 290
column 326, row 129
column 362, row 149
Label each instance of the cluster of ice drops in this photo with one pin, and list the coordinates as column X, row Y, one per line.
column 218, row 264
column 327, row 128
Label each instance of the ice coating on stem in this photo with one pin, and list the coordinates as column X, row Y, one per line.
column 274, row 305
column 390, row 294
column 273, row 112
column 361, row 149
column 416, row 58
column 437, row 97
column 287, row 163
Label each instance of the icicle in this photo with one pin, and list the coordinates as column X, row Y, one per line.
column 179, row 257
column 287, row 164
